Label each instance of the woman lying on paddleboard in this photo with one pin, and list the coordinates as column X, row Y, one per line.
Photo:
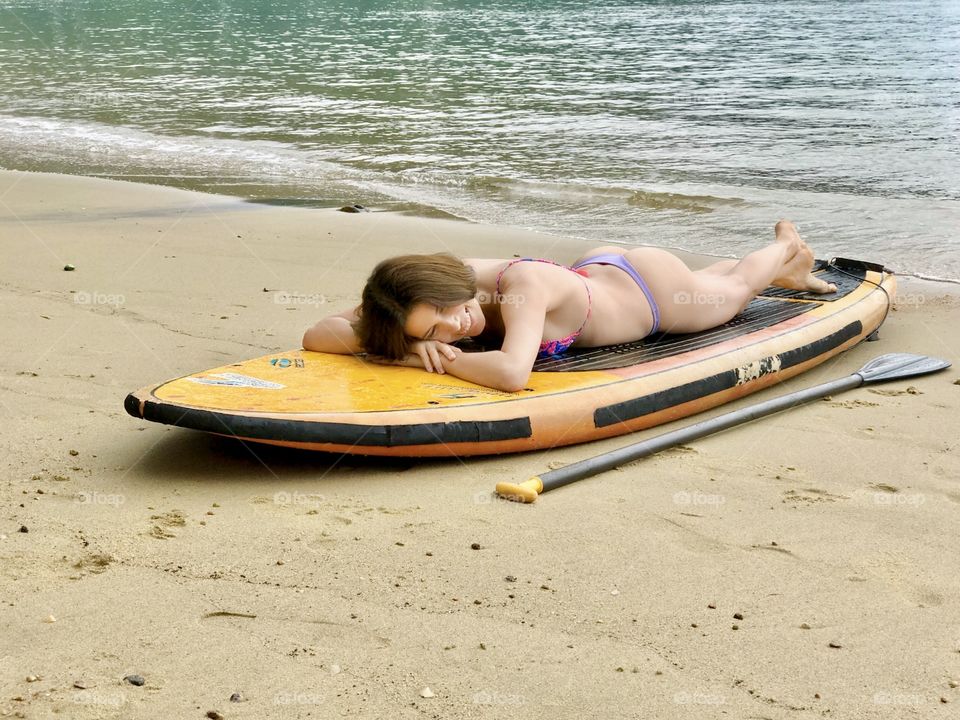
column 414, row 307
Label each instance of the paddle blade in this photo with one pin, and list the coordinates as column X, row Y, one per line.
column 900, row 365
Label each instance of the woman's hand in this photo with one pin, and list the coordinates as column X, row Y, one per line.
column 425, row 354
column 429, row 352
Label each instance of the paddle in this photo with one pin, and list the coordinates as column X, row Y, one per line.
column 885, row 367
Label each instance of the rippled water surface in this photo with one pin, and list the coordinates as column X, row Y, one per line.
column 694, row 124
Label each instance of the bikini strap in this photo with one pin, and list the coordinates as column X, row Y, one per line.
column 505, row 267
column 586, row 286
column 527, row 259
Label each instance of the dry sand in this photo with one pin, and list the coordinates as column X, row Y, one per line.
column 320, row 586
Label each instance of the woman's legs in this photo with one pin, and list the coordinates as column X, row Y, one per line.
column 692, row 301
column 794, row 277
column 718, row 268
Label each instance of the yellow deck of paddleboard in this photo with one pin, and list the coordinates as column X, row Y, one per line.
column 342, row 403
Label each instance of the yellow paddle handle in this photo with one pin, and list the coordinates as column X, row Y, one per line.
column 525, row 492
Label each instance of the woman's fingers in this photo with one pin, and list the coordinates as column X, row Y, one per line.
column 424, row 353
column 435, row 360
column 430, row 352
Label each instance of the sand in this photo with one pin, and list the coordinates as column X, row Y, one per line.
column 800, row 567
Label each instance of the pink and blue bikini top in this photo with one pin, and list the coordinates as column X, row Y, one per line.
column 548, row 348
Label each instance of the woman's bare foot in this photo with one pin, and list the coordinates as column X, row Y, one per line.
column 796, row 274
column 787, row 234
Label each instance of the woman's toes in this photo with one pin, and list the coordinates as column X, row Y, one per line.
column 783, row 225
column 816, row 285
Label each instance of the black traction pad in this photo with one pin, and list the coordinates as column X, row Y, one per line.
column 847, row 279
column 759, row 314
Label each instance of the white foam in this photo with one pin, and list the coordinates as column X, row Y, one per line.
column 121, row 150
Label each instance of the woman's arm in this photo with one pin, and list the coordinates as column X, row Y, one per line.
column 508, row 368
column 333, row 334
column 495, row 369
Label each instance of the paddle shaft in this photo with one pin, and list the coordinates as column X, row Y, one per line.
column 591, row 466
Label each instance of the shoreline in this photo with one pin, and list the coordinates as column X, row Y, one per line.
column 791, row 567
column 929, row 283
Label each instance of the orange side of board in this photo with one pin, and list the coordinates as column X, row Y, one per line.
column 342, row 404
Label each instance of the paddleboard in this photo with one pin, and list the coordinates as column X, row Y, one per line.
column 342, row 404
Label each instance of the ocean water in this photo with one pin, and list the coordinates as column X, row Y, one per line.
column 685, row 124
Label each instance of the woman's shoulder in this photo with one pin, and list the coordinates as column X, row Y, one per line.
column 532, row 268
column 497, row 274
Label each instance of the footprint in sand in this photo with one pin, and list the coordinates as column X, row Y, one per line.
column 909, row 391
column 850, row 404
column 94, row 563
column 173, row 518
column 810, row 496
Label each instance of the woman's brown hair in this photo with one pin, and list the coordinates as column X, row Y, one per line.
column 398, row 284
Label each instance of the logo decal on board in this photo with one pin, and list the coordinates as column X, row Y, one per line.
column 236, row 380
column 286, row 362
column 758, row 369
column 458, row 391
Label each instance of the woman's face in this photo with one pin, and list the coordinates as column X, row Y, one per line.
column 445, row 324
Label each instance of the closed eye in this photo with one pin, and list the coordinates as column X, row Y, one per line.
column 433, row 331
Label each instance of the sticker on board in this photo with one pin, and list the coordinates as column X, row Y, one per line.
column 236, row 380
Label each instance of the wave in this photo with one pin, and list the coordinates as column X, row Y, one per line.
column 237, row 167
column 580, row 192
column 688, row 203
